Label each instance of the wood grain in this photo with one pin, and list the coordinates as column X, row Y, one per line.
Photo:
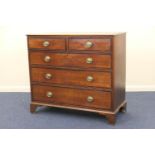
column 119, row 69
column 69, row 72
column 68, row 96
column 55, row 44
column 98, row 44
column 70, row 60
column 70, row 77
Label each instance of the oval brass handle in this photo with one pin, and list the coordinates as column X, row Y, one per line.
column 46, row 43
column 48, row 76
column 49, row 94
column 47, row 58
column 89, row 60
column 90, row 99
column 90, row 78
column 88, row 44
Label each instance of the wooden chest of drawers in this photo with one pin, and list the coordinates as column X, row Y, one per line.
column 81, row 72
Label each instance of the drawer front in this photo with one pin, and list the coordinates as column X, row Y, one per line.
column 103, row 45
column 72, row 77
column 68, row 96
column 46, row 43
column 70, row 60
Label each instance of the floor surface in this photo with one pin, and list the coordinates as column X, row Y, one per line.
column 14, row 114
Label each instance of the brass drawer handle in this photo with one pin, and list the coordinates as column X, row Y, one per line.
column 90, row 78
column 49, row 94
column 48, row 76
column 47, row 58
column 46, row 43
column 88, row 44
column 89, row 60
column 90, row 99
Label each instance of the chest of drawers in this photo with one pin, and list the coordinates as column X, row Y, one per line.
column 80, row 72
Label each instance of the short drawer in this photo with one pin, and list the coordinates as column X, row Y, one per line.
column 70, row 60
column 72, row 77
column 46, row 43
column 102, row 45
column 71, row 96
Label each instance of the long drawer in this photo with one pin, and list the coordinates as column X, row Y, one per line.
column 72, row 77
column 70, row 60
column 71, row 96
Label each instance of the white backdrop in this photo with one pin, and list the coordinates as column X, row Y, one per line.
column 137, row 18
